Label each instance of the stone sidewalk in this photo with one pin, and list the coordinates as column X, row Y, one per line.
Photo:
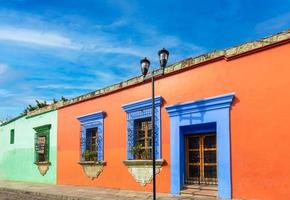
column 30, row 191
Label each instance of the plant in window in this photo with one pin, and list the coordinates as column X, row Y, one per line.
column 138, row 151
column 93, row 155
column 90, row 155
column 94, row 147
column 86, row 154
column 145, row 155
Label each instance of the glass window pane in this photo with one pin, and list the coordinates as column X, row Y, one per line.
column 143, row 137
column 194, row 171
column 193, row 142
column 210, row 141
column 210, row 172
column 210, row 156
column 193, row 156
column 91, row 144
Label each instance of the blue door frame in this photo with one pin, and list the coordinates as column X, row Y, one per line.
column 198, row 116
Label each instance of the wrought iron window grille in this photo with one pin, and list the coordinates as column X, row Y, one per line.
column 141, row 110
column 91, row 136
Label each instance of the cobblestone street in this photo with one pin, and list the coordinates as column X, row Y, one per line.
column 28, row 191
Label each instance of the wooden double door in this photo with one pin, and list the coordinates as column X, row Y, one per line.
column 201, row 159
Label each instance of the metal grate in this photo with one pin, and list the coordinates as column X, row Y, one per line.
column 41, row 147
column 132, row 126
column 201, row 162
column 143, row 136
column 89, row 144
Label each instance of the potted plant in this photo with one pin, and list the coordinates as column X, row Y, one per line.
column 93, row 156
column 94, row 147
column 137, row 151
column 90, row 155
column 145, row 155
column 86, row 154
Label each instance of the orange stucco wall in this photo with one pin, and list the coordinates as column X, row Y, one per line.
column 259, row 124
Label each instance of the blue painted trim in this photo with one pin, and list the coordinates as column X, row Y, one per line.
column 185, row 119
column 138, row 105
column 140, row 110
column 93, row 120
column 213, row 103
column 91, row 117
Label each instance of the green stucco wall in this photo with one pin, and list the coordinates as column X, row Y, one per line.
column 17, row 160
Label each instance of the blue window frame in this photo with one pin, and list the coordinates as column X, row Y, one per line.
column 92, row 127
column 141, row 110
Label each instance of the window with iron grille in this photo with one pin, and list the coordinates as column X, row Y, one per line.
column 91, row 137
column 143, row 138
column 91, row 145
column 139, row 141
column 42, row 145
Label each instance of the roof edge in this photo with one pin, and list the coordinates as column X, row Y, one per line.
column 12, row 120
column 227, row 54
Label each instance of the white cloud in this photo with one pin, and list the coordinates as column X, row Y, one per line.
column 115, row 24
column 36, row 37
column 99, row 42
column 3, row 68
column 274, row 24
column 107, row 77
column 65, row 87
column 5, row 93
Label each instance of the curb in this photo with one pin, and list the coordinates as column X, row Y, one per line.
column 39, row 195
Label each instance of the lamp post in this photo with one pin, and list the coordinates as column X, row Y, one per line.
column 145, row 64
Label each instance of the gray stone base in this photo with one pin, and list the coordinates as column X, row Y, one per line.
column 42, row 167
column 92, row 169
column 142, row 171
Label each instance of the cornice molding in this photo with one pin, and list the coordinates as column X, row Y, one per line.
column 212, row 103
column 91, row 117
column 42, row 128
column 142, row 104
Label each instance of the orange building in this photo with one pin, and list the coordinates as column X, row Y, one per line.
column 222, row 125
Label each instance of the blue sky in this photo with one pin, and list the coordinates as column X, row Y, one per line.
column 55, row 48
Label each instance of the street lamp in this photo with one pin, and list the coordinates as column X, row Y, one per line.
column 163, row 57
column 145, row 64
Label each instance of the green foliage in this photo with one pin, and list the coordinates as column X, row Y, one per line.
column 40, row 104
column 136, row 150
column 145, row 154
column 90, row 155
column 139, row 152
column 63, row 98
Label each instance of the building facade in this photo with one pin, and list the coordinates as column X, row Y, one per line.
column 221, row 122
column 28, row 148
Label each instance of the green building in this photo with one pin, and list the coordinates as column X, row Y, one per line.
column 28, row 148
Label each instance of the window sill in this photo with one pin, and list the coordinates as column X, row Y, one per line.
column 141, row 170
column 43, row 163
column 92, row 163
column 138, row 162
column 92, row 169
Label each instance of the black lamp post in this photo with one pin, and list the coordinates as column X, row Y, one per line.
column 145, row 64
